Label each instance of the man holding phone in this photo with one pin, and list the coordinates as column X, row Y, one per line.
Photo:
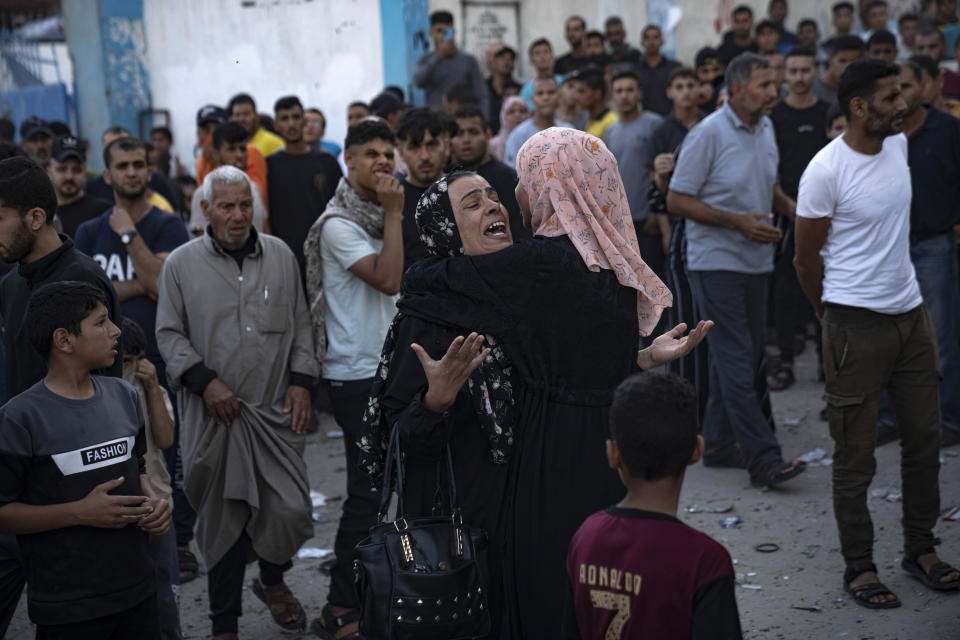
column 446, row 66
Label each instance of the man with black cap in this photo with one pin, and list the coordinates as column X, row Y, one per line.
column 35, row 138
column 68, row 172
column 446, row 66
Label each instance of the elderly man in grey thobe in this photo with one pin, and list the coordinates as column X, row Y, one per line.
column 234, row 329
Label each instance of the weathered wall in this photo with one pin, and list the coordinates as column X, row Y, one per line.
column 327, row 52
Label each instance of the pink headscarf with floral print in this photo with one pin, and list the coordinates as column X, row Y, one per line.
column 575, row 189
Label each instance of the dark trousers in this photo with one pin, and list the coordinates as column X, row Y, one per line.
column 225, row 584
column 737, row 302
column 163, row 552
column 12, row 579
column 349, row 400
column 865, row 353
column 791, row 311
column 139, row 622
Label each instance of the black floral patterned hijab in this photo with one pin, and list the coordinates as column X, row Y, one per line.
column 489, row 386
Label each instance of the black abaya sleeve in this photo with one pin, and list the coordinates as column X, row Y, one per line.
column 423, row 433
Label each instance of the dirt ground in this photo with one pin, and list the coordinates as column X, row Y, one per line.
column 804, row 572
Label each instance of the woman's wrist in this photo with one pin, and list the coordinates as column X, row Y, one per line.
column 435, row 402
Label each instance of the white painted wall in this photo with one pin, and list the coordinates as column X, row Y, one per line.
column 327, row 52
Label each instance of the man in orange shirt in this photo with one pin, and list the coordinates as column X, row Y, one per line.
column 209, row 118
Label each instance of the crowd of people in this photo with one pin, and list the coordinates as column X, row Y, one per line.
column 486, row 275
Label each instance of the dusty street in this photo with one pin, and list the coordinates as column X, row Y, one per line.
column 805, row 572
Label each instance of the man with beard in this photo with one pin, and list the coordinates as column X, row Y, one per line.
column 234, row 328
column 799, row 125
column 853, row 261
column 27, row 205
column 471, row 150
column 739, row 39
column 654, row 71
column 623, row 57
column 36, row 138
column 243, row 109
column 68, row 171
column 725, row 185
column 301, row 181
column 131, row 240
column 420, row 140
column 576, row 58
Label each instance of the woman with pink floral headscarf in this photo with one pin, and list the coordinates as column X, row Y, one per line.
column 568, row 308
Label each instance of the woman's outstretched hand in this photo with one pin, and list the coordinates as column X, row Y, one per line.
column 446, row 376
column 670, row 346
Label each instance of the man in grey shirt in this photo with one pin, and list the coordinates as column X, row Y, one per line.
column 446, row 66
column 725, row 185
column 630, row 141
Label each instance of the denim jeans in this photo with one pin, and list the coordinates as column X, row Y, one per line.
column 935, row 261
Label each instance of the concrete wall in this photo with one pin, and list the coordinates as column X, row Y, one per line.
column 327, row 52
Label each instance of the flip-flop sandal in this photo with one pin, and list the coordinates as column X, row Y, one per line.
column 861, row 594
column 188, row 565
column 931, row 579
column 772, row 474
column 328, row 625
column 282, row 604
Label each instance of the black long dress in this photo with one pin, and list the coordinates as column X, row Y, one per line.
column 424, row 436
column 572, row 336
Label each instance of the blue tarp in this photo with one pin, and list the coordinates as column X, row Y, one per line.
column 49, row 101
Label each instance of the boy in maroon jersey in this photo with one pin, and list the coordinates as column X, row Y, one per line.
column 635, row 570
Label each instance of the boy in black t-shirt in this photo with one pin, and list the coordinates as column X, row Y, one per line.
column 635, row 570
column 66, row 444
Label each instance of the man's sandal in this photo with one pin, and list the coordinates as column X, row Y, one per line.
column 284, row 606
column 327, row 626
column 931, row 579
column 188, row 565
column 862, row 593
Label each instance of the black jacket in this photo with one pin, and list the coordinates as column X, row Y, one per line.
column 24, row 364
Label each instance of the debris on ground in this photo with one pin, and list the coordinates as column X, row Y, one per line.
column 729, row 523
column 816, row 458
column 318, row 499
column 811, row 550
column 952, row 515
column 313, row 552
column 804, row 608
column 888, row 494
column 709, row 508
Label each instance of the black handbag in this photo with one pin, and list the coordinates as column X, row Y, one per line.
column 422, row 578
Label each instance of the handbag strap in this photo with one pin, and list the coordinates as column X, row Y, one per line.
column 392, row 464
column 454, row 505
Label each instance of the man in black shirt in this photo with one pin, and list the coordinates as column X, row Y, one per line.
column 739, row 39
column 27, row 237
column 799, row 122
column 423, row 148
column 68, row 171
column 300, row 181
column 654, row 71
column 623, row 57
column 576, row 58
column 471, row 150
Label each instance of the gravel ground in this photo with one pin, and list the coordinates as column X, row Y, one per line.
column 805, row 572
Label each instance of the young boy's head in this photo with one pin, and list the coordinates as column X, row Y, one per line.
column 134, row 346
column 653, row 428
column 836, row 121
column 68, row 322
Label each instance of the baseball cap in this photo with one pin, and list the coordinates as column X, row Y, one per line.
column 33, row 126
column 211, row 113
column 68, row 147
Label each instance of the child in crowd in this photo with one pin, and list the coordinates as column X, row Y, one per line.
column 72, row 483
column 158, row 430
column 836, row 121
column 635, row 570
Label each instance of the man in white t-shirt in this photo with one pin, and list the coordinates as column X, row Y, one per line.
column 853, row 214
column 354, row 255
